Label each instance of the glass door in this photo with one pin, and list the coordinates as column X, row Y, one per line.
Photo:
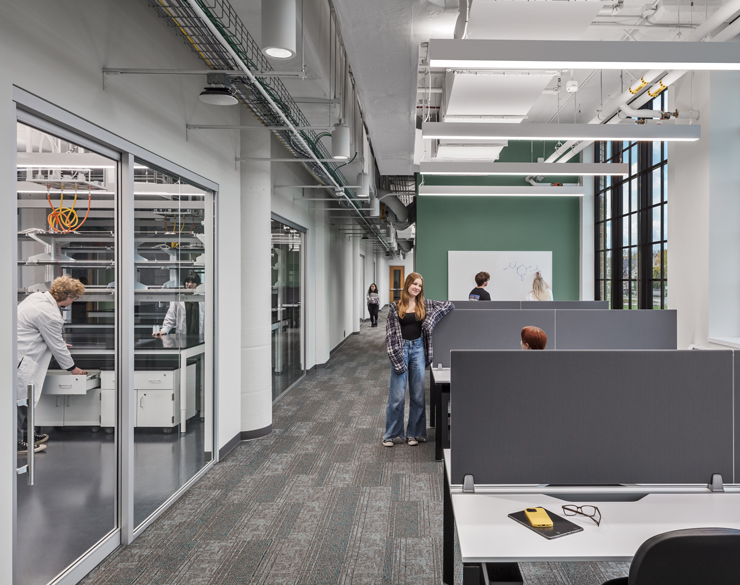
column 66, row 201
column 396, row 280
column 287, row 319
column 173, row 335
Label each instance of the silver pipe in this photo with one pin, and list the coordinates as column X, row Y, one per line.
column 237, row 127
column 134, row 71
column 219, row 37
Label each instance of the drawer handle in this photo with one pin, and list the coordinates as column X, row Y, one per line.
column 155, row 381
column 141, row 402
column 65, row 386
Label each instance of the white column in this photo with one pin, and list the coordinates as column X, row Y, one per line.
column 587, row 233
column 256, row 357
column 322, row 330
column 357, row 296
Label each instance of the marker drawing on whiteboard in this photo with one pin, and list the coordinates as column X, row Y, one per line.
column 522, row 270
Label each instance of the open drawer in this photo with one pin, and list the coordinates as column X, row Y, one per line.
column 62, row 382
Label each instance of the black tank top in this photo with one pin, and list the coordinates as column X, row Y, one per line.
column 410, row 327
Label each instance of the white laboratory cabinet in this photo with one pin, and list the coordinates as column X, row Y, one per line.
column 157, row 399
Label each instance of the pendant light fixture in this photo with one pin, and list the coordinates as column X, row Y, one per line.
column 340, row 142
column 363, row 180
column 279, row 28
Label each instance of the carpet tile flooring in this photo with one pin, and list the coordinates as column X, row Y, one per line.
column 318, row 502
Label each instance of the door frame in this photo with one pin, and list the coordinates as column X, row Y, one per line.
column 31, row 110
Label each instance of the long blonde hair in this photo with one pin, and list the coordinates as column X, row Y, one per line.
column 540, row 289
column 403, row 304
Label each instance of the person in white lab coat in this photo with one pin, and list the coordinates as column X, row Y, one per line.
column 40, row 325
column 185, row 316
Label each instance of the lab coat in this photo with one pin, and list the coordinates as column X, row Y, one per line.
column 40, row 326
column 176, row 317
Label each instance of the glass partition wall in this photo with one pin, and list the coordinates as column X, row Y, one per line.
column 172, row 441
column 71, row 198
column 287, row 315
column 66, row 197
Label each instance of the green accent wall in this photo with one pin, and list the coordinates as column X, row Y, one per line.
column 498, row 223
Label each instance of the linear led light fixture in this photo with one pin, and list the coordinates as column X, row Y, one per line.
column 597, row 132
column 511, row 54
column 501, row 191
column 455, row 168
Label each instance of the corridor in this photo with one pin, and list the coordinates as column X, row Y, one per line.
column 319, row 501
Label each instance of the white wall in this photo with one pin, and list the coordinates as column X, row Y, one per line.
column 57, row 51
column 703, row 233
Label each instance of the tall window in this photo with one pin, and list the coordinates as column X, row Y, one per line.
column 631, row 225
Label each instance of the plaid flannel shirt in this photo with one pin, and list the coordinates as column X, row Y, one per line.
column 394, row 341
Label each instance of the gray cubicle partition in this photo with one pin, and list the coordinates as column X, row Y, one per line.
column 593, row 417
column 580, row 305
column 486, row 330
column 565, row 329
column 584, row 305
column 462, row 305
column 646, row 329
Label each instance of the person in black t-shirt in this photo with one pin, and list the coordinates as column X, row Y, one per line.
column 478, row 293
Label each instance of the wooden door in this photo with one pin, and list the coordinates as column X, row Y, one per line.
column 396, row 279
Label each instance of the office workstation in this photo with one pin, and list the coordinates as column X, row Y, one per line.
column 566, row 329
column 660, row 454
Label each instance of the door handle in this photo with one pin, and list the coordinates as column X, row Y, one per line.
column 141, row 402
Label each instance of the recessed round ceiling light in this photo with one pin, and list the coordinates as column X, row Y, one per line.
column 217, row 96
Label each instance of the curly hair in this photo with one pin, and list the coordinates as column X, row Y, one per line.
column 66, row 287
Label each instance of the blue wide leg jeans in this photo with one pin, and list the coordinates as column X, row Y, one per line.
column 413, row 355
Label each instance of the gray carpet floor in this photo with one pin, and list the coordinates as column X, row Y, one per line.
column 319, row 501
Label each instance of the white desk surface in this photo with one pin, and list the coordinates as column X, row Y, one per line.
column 487, row 534
column 441, row 376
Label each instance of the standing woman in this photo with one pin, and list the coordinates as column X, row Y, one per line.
column 408, row 339
column 541, row 291
column 373, row 304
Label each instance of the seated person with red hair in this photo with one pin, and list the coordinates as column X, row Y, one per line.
column 533, row 338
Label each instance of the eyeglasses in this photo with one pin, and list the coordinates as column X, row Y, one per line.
column 588, row 511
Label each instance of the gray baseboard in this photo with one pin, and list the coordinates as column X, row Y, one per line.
column 256, row 433
column 229, row 446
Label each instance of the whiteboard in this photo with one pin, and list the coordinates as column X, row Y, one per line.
column 511, row 273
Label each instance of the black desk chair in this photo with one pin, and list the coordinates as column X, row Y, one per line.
column 694, row 556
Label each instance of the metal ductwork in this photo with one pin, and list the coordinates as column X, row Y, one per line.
column 403, row 216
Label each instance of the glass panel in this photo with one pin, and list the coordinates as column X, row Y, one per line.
column 633, row 263
column 633, row 160
column 609, row 292
column 657, row 258
column 633, row 294
column 665, row 221
column 656, row 297
column 656, row 186
column 633, row 228
column 626, row 198
column 634, row 192
column 608, row 264
column 625, row 263
column 665, row 262
column 608, row 241
column 173, row 434
column 625, row 295
column 601, row 265
column 66, row 241
column 600, row 236
column 657, row 153
column 601, row 290
column 608, row 197
column 656, row 225
column 626, row 231
column 601, row 206
column 287, row 328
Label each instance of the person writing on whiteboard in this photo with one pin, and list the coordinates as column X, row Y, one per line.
column 40, row 326
column 478, row 293
column 408, row 340
column 541, row 291
column 533, row 338
column 185, row 316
